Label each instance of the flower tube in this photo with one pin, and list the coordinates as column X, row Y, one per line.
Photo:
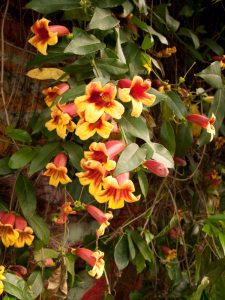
column 156, row 167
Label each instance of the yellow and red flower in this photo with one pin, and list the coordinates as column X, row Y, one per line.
column 94, row 259
column 100, row 217
column 116, row 191
column 204, row 122
column 99, row 100
column 171, row 254
column 136, row 91
column 57, row 170
column 8, row 234
column 221, row 60
column 25, row 237
column 85, row 129
column 45, row 35
column 52, row 92
column 61, row 122
column 156, row 167
column 95, row 172
column 65, row 211
column 167, row 52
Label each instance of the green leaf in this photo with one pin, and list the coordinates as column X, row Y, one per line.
column 121, row 253
column 131, row 247
column 18, row 135
column 26, row 196
column 171, row 23
column 36, row 283
column 218, row 108
column 84, row 44
column 21, row 158
column 119, row 50
column 44, row 7
column 17, row 287
column 215, row 218
column 188, row 33
column 39, row 227
column 184, row 139
column 4, row 168
column 127, row 8
column 43, row 253
column 162, row 155
column 130, row 159
column 103, row 19
column 141, row 245
column 222, row 241
column 167, row 137
column 111, row 65
column 72, row 93
column 44, row 116
column 148, row 42
column 212, row 75
column 107, row 3
column 44, row 156
column 70, row 265
column 75, row 153
column 39, row 60
column 178, row 102
column 139, row 262
column 216, row 48
column 143, row 181
column 135, row 126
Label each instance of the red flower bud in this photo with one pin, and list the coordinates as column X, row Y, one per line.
column 124, row 83
column 60, row 160
column 20, row 223
column 114, row 148
column 96, row 213
column 69, row 109
column 180, row 161
column 60, row 30
column 8, row 218
column 86, row 255
column 156, row 167
column 165, row 249
column 2, row 213
column 200, row 120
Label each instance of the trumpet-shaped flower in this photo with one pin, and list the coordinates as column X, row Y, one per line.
column 25, row 237
column 98, row 100
column 57, row 170
column 94, row 259
column 100, row 217
column 136, row 92
column 156, row 167
column 52, row 92
column 8, row 234
column 204, row 122
column 95, row 172
column 45, row 35
column 61, row 122
column 116, row 191
column 85, row 129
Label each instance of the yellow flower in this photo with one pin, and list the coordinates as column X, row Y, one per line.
column 25, row 237
column 57, row 170
column 85, row 129
column 99, row 100
column 1, row 287
column 167, row 52
column 61, row 122
column 136, row 92
column 52, row 92
column 8, row 235
column 2, row 270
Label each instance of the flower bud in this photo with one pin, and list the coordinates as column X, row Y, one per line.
column 156, row 167
column 60, row 160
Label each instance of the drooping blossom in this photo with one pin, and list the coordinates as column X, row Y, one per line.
column 45, row 35
column 8, row 234
column 65, row 211
column 116, row 191
column 99, row 100
column 57, row 170
column 85, row 129
column 94, row 259
column 92, row 176
column 171, row 254
column 52, row 92
column 136, row 91
column 100, row 217
column 156, row 167
column 204, row 122
column 61, row 122
column 2, row 277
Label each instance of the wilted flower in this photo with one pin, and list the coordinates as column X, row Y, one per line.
column 156, row 167
column 136, row 92
column 57, row 170
column 52, row 92
column 100, row 217
column 99, row 100
column 116, row 191
column 45, row 35
column 94, row 259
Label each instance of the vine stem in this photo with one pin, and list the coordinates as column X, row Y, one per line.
column 107, row 282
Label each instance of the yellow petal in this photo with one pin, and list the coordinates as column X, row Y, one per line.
column 137, row 108
column 93, row 113
column 124, row 95
column 115, row 110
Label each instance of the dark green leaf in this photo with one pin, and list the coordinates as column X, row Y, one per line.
column 21, row 158
column 167, row 137
column 4, row 168
column 171, row 23
column 75, row 153
column 44, row 156
column 178, row 102
column 84, row 44
column 40, row 60
column 72, row 93
column 139, row 262
column 70, row 265
column 141, row 245
column 44, row 7
column 103, row 19
column 212, row 75
column 26, row 196
column 39, row 227
column 36, row 283
column 218, row 108
column 121, row 253
column 107, row 3
column 184, row 139
column 131, row 247
column 42, row 119
column 188, row 33
column 216, row 48
column 18, row 135
column 130, row 159
column 143, row 181
column 112, row 66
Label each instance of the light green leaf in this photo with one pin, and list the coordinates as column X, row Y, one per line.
column 43, row 253
column 21, row 158
column 139, row 262
column 111, row 65
column 130, row 159
column 218, row 108
column 42, row 119
column 148, row 42
column 39, row 227
column 143, row 181
column 72, row 93
column 26, row 196
column 84, row 44
column 70, row 265
column 222, row 241
column 119, row 50
column 197, row 295
column 162, row 155
column 18, row 135
column 212, row 75
column 107, row 3
column 121, row 253
column 103, row 19
column 36, row 283
column 44, row 7
column 75, row 153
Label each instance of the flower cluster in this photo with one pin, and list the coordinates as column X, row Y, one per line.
column 2, row 277
column 98, row 165
column 14, row 230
